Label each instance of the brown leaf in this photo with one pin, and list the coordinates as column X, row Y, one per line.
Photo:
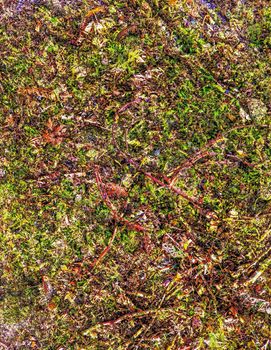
column 47, row 287
column 92, row 12
column 51, row 306
column 234, row 310
column 38, row 26
column 147, row 244
column 37, row 91
column 57, row 129
column 49, row 124
column 126, row 31
column 114, row 190
column 54, row 134
column 10, row 121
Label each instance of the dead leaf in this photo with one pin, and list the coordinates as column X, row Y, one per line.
column 51, row 306
column 49, row 124
column 114, row 190
column 36, row 91
column 234, row 310
column 85, row 22
column 38, row 26
column 126, row 31
column 94, row 11
column 54, row 133
column 47, row 287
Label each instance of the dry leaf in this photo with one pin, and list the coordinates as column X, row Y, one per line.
column 126, row 31
column 51, row 306
column 94, row 11
column 114, row 190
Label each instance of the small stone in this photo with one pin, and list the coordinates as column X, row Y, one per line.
column 257, row 109
column 265, row 189
column 2, row 173
column 233, row 213
column 244, row 115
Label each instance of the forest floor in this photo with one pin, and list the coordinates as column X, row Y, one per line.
column 135, row 174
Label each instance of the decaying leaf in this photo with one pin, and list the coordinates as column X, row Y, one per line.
column 47, row 287
column 114, row 190
column 135, row 191
column 96, row 10
column 36, row 91
column 54, row 133
column 126, row 31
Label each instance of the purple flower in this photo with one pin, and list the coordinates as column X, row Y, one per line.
column 210, row 4
column 21, row 3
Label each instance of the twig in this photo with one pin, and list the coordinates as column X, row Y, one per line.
column 237, row 159
column 133, row 226
column 138, row 314
column 210, row 291
column 4, row 345
column 246, row 126
column 169, row 183
column 95, row 124
column 258, row 267
column 105, row 251
column 196, row 203
column 127, row 105
column 158, row 309
column 204, row 152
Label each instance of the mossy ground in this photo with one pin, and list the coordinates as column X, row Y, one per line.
column 109, row 111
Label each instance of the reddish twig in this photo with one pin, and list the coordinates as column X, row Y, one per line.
column 237, row 159
column 202, row 153
column 92, row 13
column 196, row 203
column 133, row 226
column 106, row 250
column 127, row 105
column 169, row 185
column 138, row 314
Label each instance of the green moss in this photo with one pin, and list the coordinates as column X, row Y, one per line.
column 148, row 87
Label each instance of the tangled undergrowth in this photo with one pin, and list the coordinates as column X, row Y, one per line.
column 135, row 172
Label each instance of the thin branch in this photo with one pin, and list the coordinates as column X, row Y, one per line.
column 138, row 314
column 196, row 203
column 95, row 124
column 4, row 345
column 105, row 251
column 202, row 153
column 131, row 225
